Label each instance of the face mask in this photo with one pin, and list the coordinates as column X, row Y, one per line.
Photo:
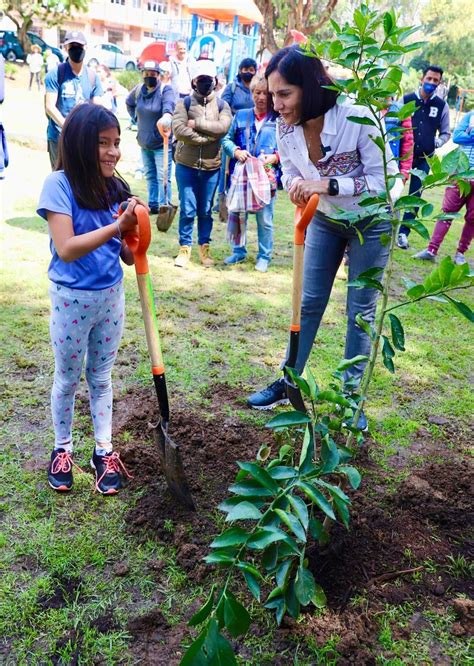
column 247, row 76
column 77, row 53
column 150, row 81
column 429, row 88
column 205, row 85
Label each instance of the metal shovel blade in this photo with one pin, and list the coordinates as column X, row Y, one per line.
column 165, row 217
column 294, row 396
column 172, row 464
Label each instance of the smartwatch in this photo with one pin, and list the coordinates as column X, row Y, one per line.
column 333, row 187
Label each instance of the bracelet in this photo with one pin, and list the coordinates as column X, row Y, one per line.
column 119, row 233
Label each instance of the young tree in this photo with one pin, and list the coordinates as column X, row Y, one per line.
column 50, row 12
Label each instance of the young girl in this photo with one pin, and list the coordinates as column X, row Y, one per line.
column 80, row 202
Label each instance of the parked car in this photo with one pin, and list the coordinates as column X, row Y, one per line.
column 155, row 51
column 110, row 55
column 12, row 50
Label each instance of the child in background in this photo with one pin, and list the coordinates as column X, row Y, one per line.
column 80, row 202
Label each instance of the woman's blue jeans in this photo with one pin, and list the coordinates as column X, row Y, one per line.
column 196, row 189
column 153, row 170
column 324, row 249
column 265, row 233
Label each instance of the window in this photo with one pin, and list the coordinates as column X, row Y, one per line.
column 115, row 37
column 136, row 4
column 157, row 7
column 117, row 2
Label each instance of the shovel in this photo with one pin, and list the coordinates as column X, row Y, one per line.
column 169, row 453
column 303, row 217
column 167, row 211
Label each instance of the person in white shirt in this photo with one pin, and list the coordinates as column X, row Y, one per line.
column 51, row 60
column 34, row 60
column 181, row 75
column 323, row 152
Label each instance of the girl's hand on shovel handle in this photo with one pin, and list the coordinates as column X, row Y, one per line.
column 126, row 224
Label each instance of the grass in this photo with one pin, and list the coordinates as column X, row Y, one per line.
column 221, row 326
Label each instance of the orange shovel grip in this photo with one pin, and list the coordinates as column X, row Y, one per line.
column 303, row 217
column 139, row 242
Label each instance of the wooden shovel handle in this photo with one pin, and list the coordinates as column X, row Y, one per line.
column 303, row 217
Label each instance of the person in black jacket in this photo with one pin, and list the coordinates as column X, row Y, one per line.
column 430, row 130
column 150, row 103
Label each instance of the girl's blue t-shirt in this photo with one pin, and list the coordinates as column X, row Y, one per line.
column 96, row 270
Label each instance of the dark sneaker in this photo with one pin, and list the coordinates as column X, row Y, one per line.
column 362, row 423
column 108, row 480
column 60, row 470
column 269, row 397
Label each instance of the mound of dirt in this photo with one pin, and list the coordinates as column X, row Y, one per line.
column 391, row 534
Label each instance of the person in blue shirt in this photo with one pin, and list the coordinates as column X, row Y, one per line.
column 253, row 134
column 152, row 104
column 69, row 84
column 237, row 94
column 80, row 201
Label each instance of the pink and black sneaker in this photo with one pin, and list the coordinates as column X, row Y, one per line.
column 60, row 470
column 108, row 478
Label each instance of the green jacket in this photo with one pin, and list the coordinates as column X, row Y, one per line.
column 200, row 147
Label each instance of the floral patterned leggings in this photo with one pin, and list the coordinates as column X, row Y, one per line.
column 84, row 325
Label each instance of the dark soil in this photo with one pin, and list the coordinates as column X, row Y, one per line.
column 392, row 535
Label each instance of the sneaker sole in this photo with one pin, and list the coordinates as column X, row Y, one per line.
column 266, row 408
column 60, row 489
column 112, row 491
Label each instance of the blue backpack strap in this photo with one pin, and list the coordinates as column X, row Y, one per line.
column 61, row 74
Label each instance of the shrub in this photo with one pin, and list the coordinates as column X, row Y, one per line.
column 129, row 79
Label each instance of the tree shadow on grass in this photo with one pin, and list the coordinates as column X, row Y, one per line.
column 32, row 223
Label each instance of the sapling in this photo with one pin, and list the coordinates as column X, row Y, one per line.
column 280, row 503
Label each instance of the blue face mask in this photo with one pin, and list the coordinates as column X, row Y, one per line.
column 429, row 88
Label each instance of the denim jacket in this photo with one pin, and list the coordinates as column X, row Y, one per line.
column 243, row 134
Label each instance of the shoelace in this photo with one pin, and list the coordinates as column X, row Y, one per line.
column 113, row 463
column 63, row 463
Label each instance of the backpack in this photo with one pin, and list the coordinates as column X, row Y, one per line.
column 62, row 75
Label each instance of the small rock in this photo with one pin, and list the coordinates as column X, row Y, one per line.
column 120, row 569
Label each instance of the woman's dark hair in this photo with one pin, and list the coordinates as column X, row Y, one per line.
column 303, row 69
column 79, row 157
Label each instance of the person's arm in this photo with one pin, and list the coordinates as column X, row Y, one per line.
column 464, row 132
column 97, row 91
column 71, row 247
column 444, row 130
column 407, row 143
column 51, row 98
column 215, row 128
column 131, row 103
column 290, row 172
column 169, row 100
column 186, row 134
column 228, row 142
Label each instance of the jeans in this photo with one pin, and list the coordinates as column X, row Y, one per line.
column 265, row 233
column 452, row 203
column 53, row 152
column 37, row 77
column 414, row 189
column 324, row 249
column 196, row 189
column 153, row 169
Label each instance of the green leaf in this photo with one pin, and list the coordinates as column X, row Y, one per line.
column 459, row 274
column 243, row 511
column 194, row 656
column 385, row 239
column 219, row 558
column 270, row 556
column 398, row 334
column 264, row 452
column 408, row 201
column 307, row 449
column 282, row 472
column 365, row 283
column 218, row 650
column 264, row 537
column 230, row 502
column 252, row 584
column 388, row 23
column 342, row 510
column 250, row 488
column 349, row 362
column 305, row 586
column 249, row 568
column 236, row 617
column 317, row 498
column 300, row 510
column 388, row 353
column 204, row 611
column 317, row 531
column 329, row 455
column 292, row 604
column 231, row 537
column 281, row 574
column 288, row 419
column 335, row 491
column 333, row 396
column 293, row 523
column 464, row 309
column 416, row 291
column 366, row 326
column 319, row 597
column 277, row 603
column 420, row 228
column 361, row 120
column 298, row 381
column 261, row 475
column 352, row 474
column 313, row 387
column 445, row 269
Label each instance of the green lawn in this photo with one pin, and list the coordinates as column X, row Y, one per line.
column 218, row 327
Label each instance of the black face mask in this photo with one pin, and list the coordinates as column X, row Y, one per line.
column 77, row 53
column 247, row 76
column 150, row 81
column 205, row 85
